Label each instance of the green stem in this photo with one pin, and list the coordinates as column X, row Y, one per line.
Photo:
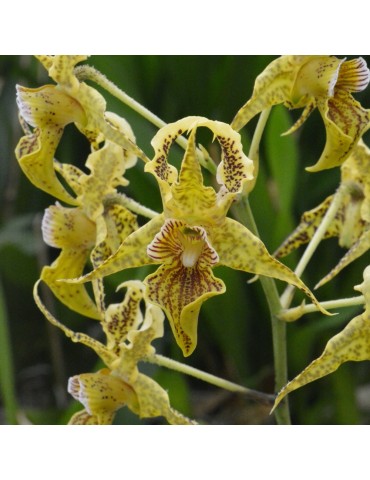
column 130, row 204
column 7, row 387
column 209, row 378
column 287, row 295
column 282, row 414
column 293, row 314
column 86, row 72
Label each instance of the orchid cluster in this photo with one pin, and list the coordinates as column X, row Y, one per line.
column 95, row 225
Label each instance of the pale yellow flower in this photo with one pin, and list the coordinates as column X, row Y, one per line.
column 49, row 109
column 309, row 82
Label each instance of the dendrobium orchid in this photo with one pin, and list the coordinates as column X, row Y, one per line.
column 309, row 82
column 352, row 220
column 193, row 234
column 49, row 109
column 129, row 335
column 351, row 344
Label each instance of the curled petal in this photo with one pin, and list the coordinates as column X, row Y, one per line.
column 272, row 87
column 310, row 221
column 70, row 263
column 64, row 227
column 345, row 122
column 352, row 344
column 100, row 349
column 153, row 401
column 121, row 318
column 357, row 250
column 84, row 418
column 101, row 394
column 234, row 169
column 35, row 153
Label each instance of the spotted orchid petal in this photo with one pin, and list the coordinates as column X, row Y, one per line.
column 101, row 394
column 351, row 344
column 48, row 110
column 345, row 122
column 70, row 230
column 357, row 250
column 310, row 221
column 232, row 172
column 239, row 249
column 184, row 280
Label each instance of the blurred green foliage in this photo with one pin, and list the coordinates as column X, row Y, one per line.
column 234, row 329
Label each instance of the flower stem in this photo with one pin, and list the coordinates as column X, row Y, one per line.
column 244, row 212
column 282, row 414
column 86, row 72
column 293, row 314
column 131, row 204
column 209, row 378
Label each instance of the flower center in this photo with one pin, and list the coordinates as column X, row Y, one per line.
column 193, row 244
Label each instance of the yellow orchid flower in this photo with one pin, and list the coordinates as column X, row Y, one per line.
column 351, row 344
column 310, row 81
column 129, row 336
column 94, row 229
column 193, row 235
column 352, row 220
column 49, row 109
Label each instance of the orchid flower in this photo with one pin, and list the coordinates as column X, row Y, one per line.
column 351, row 344
column 309, row 82
column 129, row 335
column 352, row 220
column 94, row 229
column 193, row 234
column 49, row 109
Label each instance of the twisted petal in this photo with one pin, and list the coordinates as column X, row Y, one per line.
column 70, row 263
column 357, row 250
column 345, row 122
column 234, row 169
column 310, row 221
column 238, row 248
column 49, row 111
column 84, row 418
column 351, row 344
column 272, row 87
column 101, row 394
column 101, row 350
column 153, row 401
column 70, row 230
column 121, row 318
column 107, row 167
